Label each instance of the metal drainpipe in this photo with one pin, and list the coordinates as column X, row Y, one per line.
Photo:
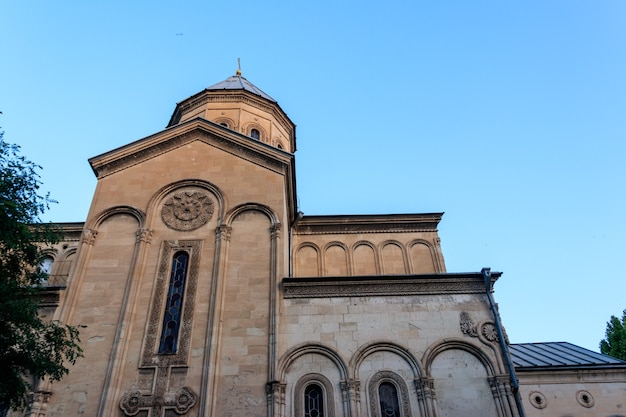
column 505, row 349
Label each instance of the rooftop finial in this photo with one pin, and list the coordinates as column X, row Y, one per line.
column 239, row 67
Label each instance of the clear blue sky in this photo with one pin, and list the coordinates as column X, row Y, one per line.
column 508, row 116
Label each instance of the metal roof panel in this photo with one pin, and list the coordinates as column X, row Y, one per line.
column 237, row 82
column 558, row 354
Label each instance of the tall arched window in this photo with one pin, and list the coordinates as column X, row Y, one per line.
column 313, row 401
column 255, row 134
column 174, row 304
column 388, row 396
column 313, row 397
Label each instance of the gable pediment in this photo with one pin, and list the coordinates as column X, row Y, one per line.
column 197, row 129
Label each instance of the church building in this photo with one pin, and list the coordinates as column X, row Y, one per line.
column 204, row 291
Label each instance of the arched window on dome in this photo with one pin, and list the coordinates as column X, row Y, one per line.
column 255, row 134
column 174, row 304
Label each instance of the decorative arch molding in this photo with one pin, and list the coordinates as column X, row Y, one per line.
column 242, row 208
column 311, row 348
column 68, row 252
column 385, row 346
column 347, row 258
column 247, row 129
column 403, row 251
column 97, row 221
column 336, row 243
column 324, row 383
column 402, row 391
column 363, row 243
column 50, row 252
column 431, row 249
column 318, row 256
column 280, row 144
column 158, row 197
column 447, row 344
column 375, row 252
column 225, row 121
column 311, row 245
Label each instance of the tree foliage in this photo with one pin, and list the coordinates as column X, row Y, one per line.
column 31, row 347
column 614, row 343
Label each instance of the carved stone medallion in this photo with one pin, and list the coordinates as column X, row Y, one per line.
column 187, row 210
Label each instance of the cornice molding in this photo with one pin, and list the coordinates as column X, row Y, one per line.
column 350, row 224
column 234, row 96
column 197, row 129
column 70, row 232
column 390, row 285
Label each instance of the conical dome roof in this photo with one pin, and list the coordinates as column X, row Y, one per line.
column 237, row 82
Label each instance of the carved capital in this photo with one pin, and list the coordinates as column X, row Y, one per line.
column 144, row 235
column 275, row 231
column 89, row 236
column 223, row 232
column 275, row 389
column 424, row 387
column 500, row 385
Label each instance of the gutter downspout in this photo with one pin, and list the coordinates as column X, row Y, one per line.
column 505, row 349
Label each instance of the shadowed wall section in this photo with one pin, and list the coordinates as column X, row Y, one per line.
column 461, row 385
column 244, row 342
column 108, row 272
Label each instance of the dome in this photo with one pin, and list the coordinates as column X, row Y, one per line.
column 240, row 106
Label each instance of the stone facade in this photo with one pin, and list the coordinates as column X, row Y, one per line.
column 204, row 292
column 579, row 392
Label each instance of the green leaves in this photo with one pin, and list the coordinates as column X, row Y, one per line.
column 614, row 343
column 31, row 348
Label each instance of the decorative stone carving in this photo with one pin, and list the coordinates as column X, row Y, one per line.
column 403, row 392
column 184, row 399
column 223, row 232
column 467, row 325
column 329, row 397
column 181, row 402
column 163, row 391
column 144, row 235
column 89, row 236
column 398, row 285
column 150, row 356
column 130, row 403
column 275, row 231
column 490, row 332
column 187, row 210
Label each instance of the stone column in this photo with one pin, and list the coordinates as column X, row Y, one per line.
column 425, row 390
